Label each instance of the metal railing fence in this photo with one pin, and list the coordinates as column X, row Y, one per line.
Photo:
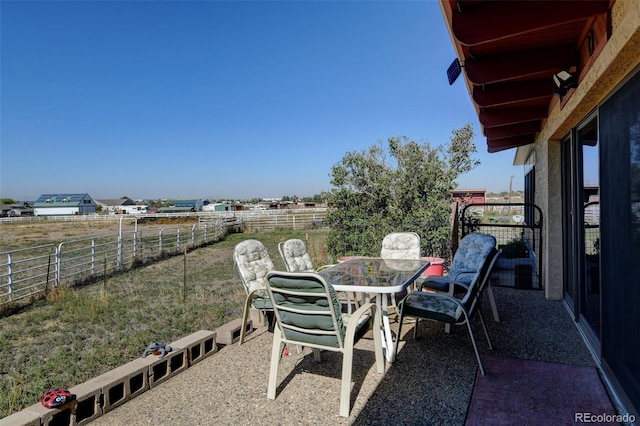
column 30, row 272
column 518, row 231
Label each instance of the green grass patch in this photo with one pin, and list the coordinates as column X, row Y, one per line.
column 76, row 334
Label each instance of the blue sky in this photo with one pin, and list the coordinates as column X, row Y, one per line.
column 221, row 99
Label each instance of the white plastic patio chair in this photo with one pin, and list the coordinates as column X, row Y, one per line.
column 400, row 245
column 296, row 257
column 253, row 263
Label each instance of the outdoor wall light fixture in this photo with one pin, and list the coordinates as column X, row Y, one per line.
column 564, row 81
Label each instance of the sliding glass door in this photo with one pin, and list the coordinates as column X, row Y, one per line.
column 581, row 220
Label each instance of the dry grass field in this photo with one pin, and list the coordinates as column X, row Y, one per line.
column 75, row 334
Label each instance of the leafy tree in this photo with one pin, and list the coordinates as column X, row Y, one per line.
column 403, row 186
column 8, row 201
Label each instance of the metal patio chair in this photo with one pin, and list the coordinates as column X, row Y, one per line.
column 446, row 308
column 308, row 313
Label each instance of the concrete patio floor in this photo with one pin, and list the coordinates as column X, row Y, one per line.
column 431, row 381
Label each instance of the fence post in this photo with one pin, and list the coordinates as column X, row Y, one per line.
column 193, row 236
column 46, row 284
column 160, row 241
column 135, row 244
column 10, row 276
column 93, row 256
column 184, row 278
column 119, row 251
column 178, row 240
column 58, row 264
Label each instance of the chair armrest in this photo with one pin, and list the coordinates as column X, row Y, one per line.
column 442, row 284
column 355, row 320
column 466, row 271
column 323, row 267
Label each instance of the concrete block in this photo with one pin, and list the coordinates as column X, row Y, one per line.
column 230, row 332
column 199, row 345
column 52, row 416
column 258, row 317
column 21, row 418
column 88, row 403
column 171, row 364
column 120, row 384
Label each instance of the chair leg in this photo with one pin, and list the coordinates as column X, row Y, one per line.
column 447, row 326
column 400, row 319
column 484, row 327
column 316, row 355
column 377, row 342
column 492, row 301
column 349, row 307
column 475, row 347
column 276, row 353
column 245, row 316
column 345, row 389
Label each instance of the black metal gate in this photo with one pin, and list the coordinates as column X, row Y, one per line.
column 518, row 231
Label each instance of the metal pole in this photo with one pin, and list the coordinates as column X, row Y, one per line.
column 184, row 280
column 510, row 186
column 104, row 284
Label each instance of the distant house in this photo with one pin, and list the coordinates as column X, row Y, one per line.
column 222, row 207
column 114, row 206
column 64, row 205
column 13, row 210
column 178, row 206
column 18, row 210
column 122, row 206
column 468, row 196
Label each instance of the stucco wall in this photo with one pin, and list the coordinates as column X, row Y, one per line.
column 615, row 62
column 548, row 197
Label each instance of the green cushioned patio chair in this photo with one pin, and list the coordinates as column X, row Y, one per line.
column 308, row 313
column 446, row 308
column 296, row 258
column 252, row 261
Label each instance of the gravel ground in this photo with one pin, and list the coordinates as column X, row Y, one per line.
column 429, row 384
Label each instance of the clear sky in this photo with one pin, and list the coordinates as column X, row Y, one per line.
column 208, row 99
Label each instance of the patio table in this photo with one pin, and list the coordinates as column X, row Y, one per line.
column 376, row 276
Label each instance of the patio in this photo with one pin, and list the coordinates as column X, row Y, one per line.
column 431, row 381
